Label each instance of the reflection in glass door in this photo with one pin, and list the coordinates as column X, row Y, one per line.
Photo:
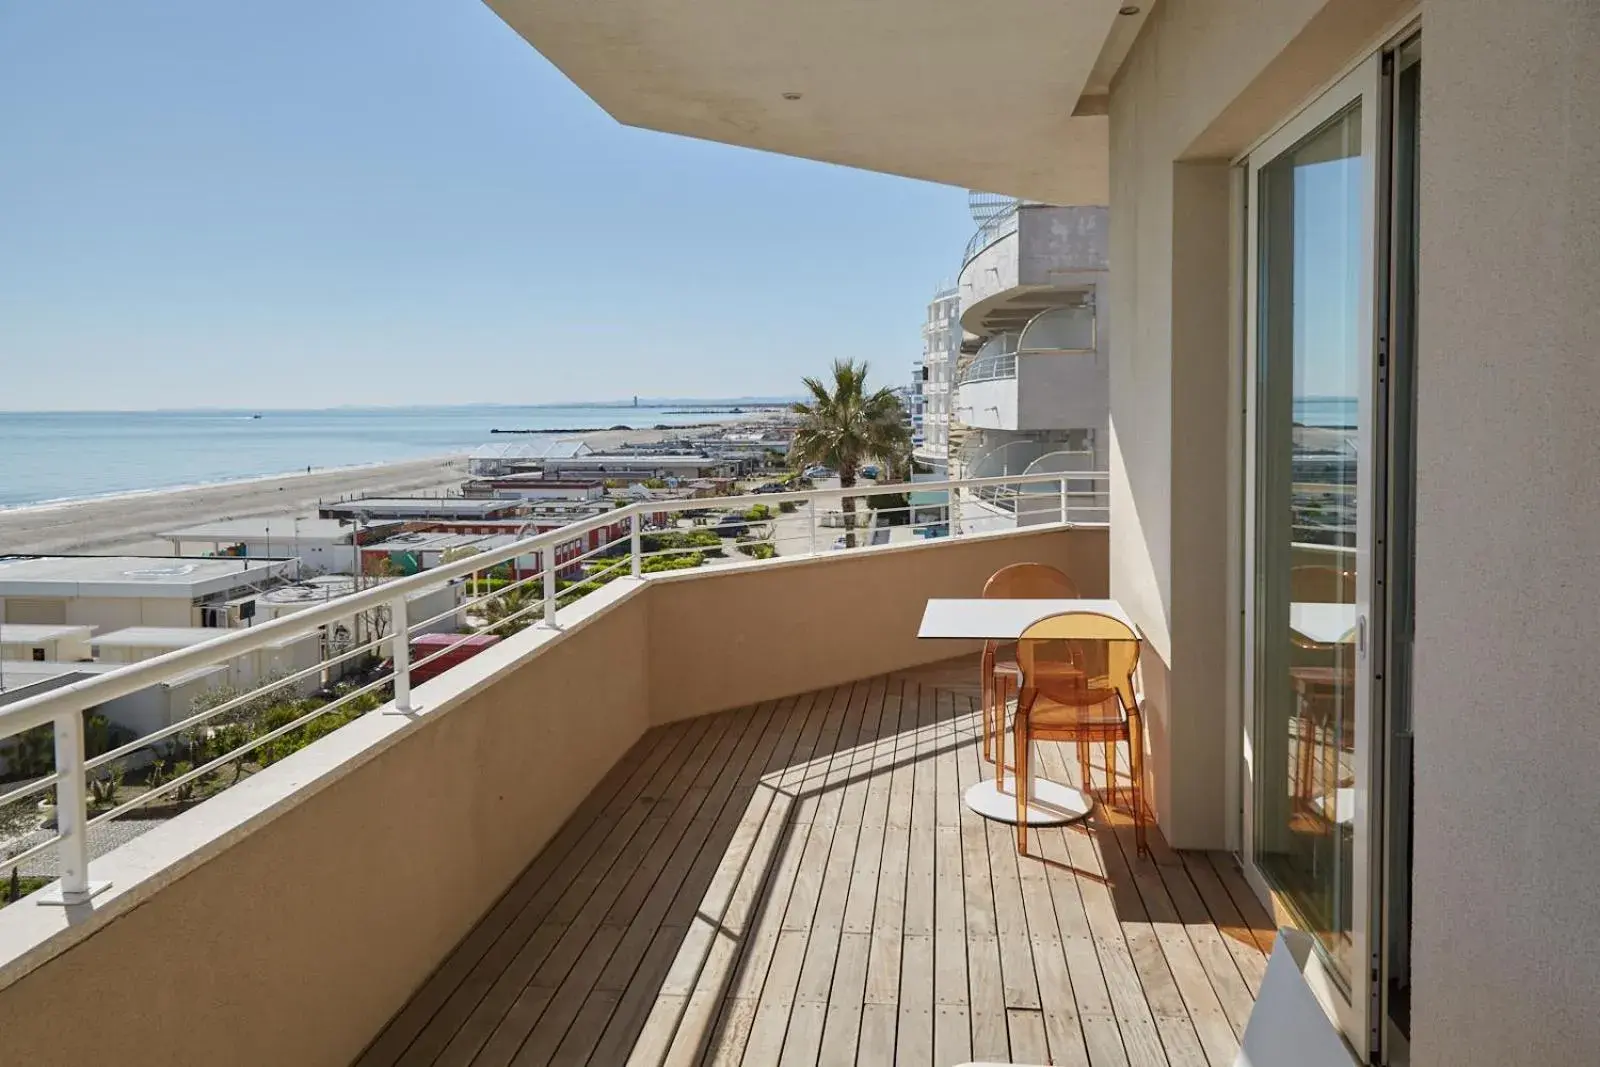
column 1311, row 206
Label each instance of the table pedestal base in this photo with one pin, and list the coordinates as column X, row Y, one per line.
column 1049, row 803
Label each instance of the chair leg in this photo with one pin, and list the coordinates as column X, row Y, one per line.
column 1019, row 734
column 1136, row 769
column 985, row 687
column 1112, row 789
column 1001, row 685
column 1085, row 773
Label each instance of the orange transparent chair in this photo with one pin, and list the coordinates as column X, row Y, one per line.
column 1323, row 679
column 1077, row 685
column 997, row 671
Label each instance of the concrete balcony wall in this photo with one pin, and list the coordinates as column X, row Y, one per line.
column 735, row 637
column 1050, row 392
column 286, row 920
column 1051, row 248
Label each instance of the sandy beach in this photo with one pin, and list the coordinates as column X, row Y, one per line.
column 128, row 523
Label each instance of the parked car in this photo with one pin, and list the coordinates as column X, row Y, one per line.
column 870, row 471
column 818, row 472
column 730, row 526
column 772, row 487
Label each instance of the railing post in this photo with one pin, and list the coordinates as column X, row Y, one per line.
column 549, row 583
column 400, row 652
column 1063, row 498
column 72, row 816
column 638, row 560
column 811, row 512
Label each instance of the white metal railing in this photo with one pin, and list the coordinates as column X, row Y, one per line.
column 989, row 369
column 633, row 540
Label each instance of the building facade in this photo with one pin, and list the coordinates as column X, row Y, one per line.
column 941, row 346
column 1031, row 387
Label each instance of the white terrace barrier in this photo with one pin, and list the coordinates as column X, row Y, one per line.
column 499, row 590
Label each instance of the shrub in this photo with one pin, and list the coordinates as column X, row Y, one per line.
column 16, row 887
column 185, row 792
column 758, row 549
column 758, row 513
column 676, row 540
column 103, row 791
column 788, row 507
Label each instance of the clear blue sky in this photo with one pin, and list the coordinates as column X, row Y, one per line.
column 348, row 201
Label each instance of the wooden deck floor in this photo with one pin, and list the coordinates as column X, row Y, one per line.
column 799, row 883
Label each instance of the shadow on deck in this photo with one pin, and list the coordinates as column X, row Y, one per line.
column 799, row 882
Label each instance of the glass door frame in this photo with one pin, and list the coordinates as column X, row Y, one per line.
column 1352, row 1008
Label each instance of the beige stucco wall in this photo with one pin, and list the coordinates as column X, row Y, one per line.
column 1508, row 910
column 723, row 640
column 1204, row 80
column 297, row 943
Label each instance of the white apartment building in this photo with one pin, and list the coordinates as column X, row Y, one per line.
column 941, row 345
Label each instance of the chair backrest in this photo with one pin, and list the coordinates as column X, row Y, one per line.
column 1029, row 581
column 1322, row 584
column 1100, row 642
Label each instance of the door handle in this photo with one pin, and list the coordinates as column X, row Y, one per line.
column 1361, row 635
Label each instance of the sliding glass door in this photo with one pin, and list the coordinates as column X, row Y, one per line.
column 1311, row 204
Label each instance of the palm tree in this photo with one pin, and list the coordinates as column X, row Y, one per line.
column 847, row 428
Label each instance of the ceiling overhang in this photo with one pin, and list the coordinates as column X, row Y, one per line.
column 1008, row 98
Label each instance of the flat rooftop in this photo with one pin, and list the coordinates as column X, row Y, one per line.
column 396, row 507
column 17, row 675
column 629, row 460
column 131, row 576
column 283, row 528
column 27, row 633
column 170, row 637
column 428, row 542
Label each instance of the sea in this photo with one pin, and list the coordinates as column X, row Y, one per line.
column 54, row 456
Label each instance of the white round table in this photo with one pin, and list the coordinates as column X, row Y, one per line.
column 1049, row 803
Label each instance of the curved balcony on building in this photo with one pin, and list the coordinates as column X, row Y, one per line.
column 1052, row 374
column 1028, row 260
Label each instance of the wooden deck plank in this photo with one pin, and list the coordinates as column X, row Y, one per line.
column 517, row 943
column 1228, row 983
column 625, row 779
column 952, row 1024
column 809, row 846
column 683, row 1021
column 838, row 811
column 1239, row 939
column 914, row 1034
column 985, row 987
column 728, row 1044
column 1254, row 913
column 1190, row 977
column 865, row 807
column 1136, row 1024
column 504, row 1013
column 761, row 731
column 760, row 952
column 800, row 883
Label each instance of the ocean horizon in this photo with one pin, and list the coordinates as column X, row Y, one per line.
column 49, row 457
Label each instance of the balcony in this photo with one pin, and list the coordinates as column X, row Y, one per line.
column 1054, row 374
column 569, row 849
column 798, row 881
column 1038, row 258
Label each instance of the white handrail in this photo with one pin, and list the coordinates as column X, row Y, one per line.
column 62, row 706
